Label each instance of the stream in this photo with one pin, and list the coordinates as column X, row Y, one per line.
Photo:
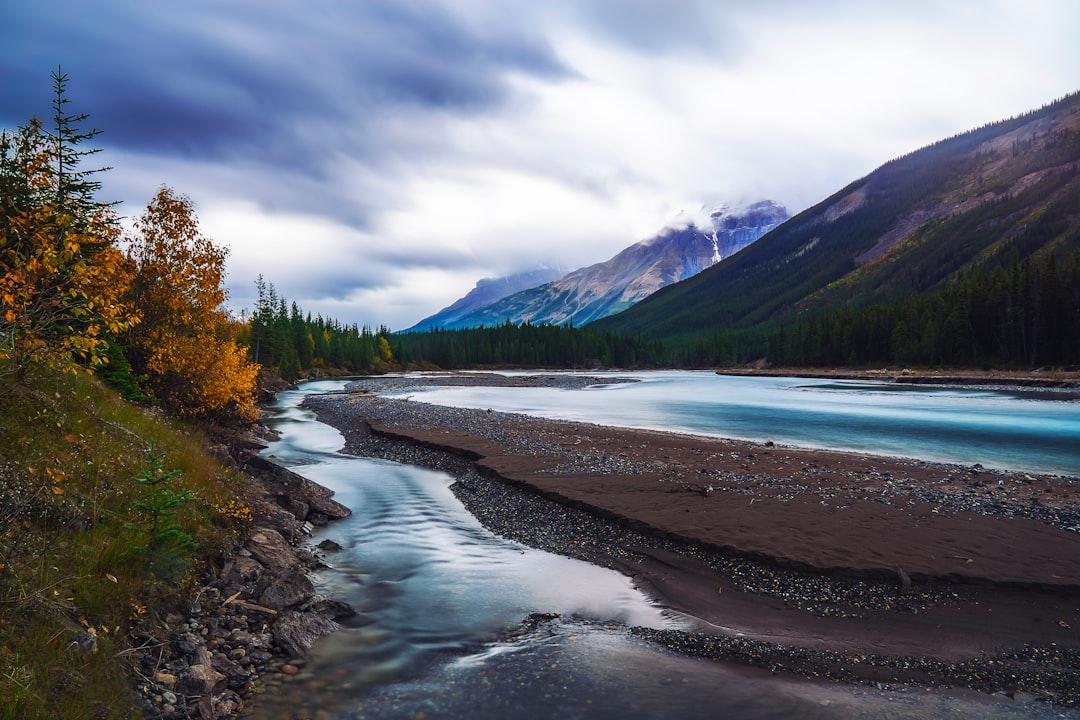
column 440, row 634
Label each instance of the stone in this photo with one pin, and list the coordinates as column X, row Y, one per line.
column 282, row 521
column 166, row 679
column 287, row 590
column 329, row 546
column 295, row 632
column 336, row 609
column 226, row 707
column 241, row 637
column 202, row 680
column 297, row 507
column 271, row 549
column 240, row 571
column 329, row 508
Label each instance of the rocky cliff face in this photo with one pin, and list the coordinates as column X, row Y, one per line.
column 677, row 252
column 736, row 227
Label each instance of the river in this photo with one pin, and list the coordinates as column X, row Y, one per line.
column 1000, row 428
column 441, row 603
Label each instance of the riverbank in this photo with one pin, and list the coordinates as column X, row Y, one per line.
column 855, row 568
column 1064, row 384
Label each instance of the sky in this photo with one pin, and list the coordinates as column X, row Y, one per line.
column 374, row 159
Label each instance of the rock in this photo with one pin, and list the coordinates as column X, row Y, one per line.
column 241, row 637
column 240, row 571
column 295, row 631
column 283, row 521
column 201, row 656
column 202, row 680
column 287, row 590
column 166, row 679
column 297, row 507
column 336, row 609
column 329, row 546
column 236, row 676
column 905, row 581
column 271, row 549
column 260, row 656
column 329, row 508
column 226, row 708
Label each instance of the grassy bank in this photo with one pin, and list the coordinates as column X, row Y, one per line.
column 105, row 511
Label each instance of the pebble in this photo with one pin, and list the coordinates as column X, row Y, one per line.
column 526, row 517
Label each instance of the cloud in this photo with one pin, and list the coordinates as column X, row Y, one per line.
column 375, row 159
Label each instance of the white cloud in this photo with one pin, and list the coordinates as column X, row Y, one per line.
column 374, row 162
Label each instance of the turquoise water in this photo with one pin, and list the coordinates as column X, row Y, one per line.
column 995, row 428
column 441, row 599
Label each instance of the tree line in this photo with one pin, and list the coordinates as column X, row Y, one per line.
column 524, row 345
column 290, row 343
column 1024, row 314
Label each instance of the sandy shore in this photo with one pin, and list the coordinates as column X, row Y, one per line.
column 853, row 567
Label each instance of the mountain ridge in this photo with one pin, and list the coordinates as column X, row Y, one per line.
column 915, row 224
column 678, row 251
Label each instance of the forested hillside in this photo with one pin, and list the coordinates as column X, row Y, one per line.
column 972, row 219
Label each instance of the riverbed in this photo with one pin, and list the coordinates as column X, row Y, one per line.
column 456, row 621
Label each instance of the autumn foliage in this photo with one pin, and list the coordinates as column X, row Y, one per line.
column 60, row 272
column 181, row 342
column 70, row 297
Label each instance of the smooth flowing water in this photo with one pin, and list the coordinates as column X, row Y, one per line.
column 441, row 600
column 997, row 428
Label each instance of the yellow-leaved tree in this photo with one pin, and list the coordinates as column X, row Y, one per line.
column 183, row 342
column 61, row 274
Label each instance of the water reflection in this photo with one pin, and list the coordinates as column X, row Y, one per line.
column 441, row 600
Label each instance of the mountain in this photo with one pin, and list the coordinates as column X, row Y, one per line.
column 919, row 225
column 679, row 251
column 486, row 292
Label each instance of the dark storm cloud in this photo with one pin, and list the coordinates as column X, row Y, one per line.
column 220, row 81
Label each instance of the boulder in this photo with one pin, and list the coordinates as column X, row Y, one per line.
column 287, row 590
column 271, row 549
column 239, row 571
column 329, row 507
column 295, row 632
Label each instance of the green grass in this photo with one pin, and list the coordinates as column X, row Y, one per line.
column 75, row 555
